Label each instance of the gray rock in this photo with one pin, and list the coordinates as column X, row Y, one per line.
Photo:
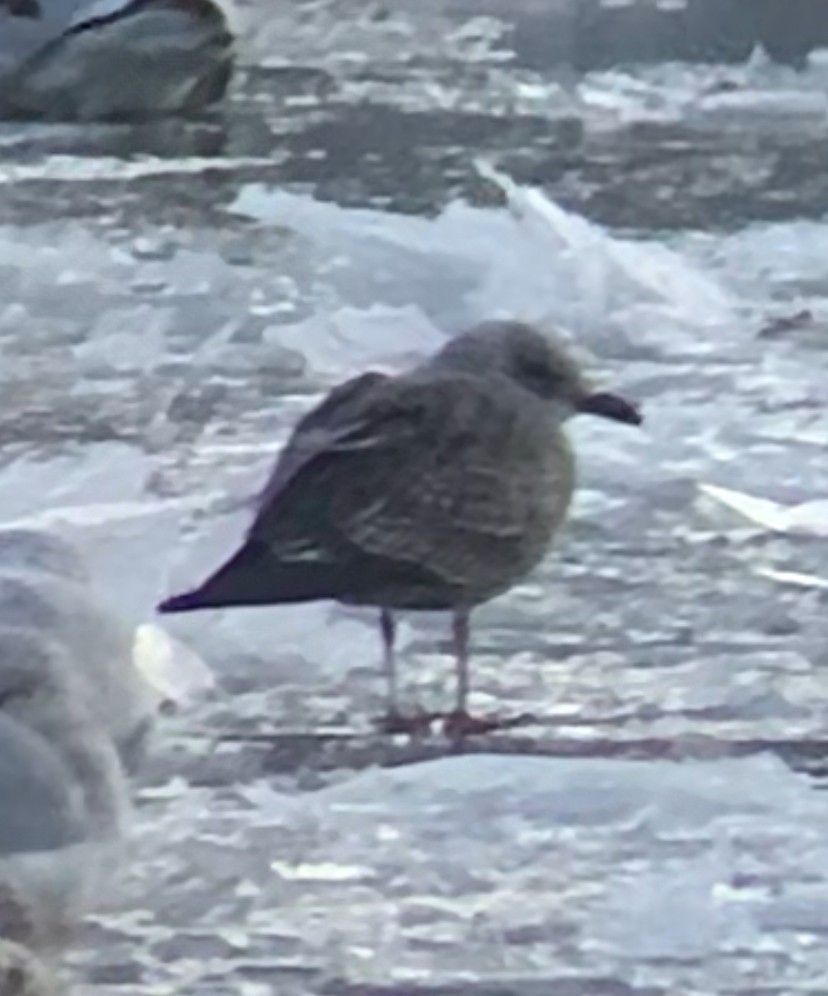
column 112, row 59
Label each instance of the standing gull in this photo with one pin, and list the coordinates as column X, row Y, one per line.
column 436, row 489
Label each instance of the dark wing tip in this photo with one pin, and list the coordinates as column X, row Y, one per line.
column 179, row 603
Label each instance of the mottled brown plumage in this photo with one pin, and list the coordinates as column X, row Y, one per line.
column 436, row 489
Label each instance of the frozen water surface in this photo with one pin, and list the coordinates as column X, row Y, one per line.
column 172, row 298
column 492, row 874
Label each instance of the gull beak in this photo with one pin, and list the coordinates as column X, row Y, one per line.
column 611, row 406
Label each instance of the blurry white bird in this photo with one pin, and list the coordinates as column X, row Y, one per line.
column 22, row 974
column 63, row 807
column 51, row 873
column 63, row 793
column 44, row 589
column 94, row 60
column 41, row 690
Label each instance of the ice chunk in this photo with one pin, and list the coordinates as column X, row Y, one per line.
column 606, row 268
column 616, row 294
column 173, row 669
column 555, row 792
column 797, row 579
column 806, row 519
column 486, row 866
column 354, row 338
column 40, row 551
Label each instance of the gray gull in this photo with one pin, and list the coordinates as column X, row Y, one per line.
column 436, row 489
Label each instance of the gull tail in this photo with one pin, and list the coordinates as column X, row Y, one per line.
column 254, row 576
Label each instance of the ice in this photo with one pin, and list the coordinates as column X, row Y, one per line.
column 353, row 338
column 796, row 578
column 469, row 263
column 371, row 258
column 783, row 259
column 111, row 472
column 807, row 518
column 708, row 97
column 673, row 797
column 608, row 271
column 501, row 867
column 173, row 669
column 81, row 168
column 126, row 340
column 640, row 919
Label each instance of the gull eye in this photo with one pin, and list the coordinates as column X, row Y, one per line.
column 541, row 377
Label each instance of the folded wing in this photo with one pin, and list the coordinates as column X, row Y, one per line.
column 399, row 469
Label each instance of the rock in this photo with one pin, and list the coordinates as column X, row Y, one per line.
column 113, row 59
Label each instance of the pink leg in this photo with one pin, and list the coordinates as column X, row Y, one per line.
column 460, row 642
column 460, row 723
column 388, row 629
column 395, row 721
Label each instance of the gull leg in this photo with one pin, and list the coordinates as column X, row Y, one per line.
column 460, row 642
column 394, row 720
column 388, row 630
column 460, row 723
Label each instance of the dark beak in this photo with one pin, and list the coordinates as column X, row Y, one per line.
column 611, row 406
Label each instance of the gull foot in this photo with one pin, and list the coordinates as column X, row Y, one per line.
column 415, row 724
column 457, row 724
